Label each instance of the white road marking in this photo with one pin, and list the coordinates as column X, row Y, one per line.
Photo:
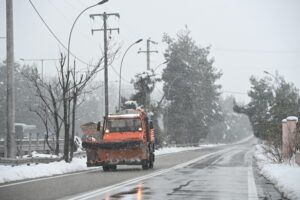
column 252, row 190
column 104, row 190
column 48, row 178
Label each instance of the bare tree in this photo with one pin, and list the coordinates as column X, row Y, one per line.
column 49, row 107
column 72, row 83
column 61, row 98
column 42, row 112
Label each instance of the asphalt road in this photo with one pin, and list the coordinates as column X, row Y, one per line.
column 224, row 172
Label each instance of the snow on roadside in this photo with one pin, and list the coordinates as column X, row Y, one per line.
column 168, row 150
column 8, row 173
column 285, row 177
column 34, row 154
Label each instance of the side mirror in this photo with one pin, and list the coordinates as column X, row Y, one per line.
column 98, row 126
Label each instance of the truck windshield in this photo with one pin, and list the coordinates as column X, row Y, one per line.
column 124, row 125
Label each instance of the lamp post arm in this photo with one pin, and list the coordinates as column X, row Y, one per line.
column 70, row 35
column 120, row 73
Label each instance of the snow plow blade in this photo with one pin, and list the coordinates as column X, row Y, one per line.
column 113, row 145
column 133, row 156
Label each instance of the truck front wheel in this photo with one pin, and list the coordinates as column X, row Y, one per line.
column 145, row 164
column 105, row 168
column 113, row 167
column 151, row 161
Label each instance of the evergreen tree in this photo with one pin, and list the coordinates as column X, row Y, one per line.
column 24, row 99
column 270, row 102
column 144, row 84
column 189, row 86
column 258, row 110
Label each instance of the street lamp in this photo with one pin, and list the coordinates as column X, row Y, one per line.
column 69, row 41
column 120, row 76
column 160, row 65
column 266, row 72
column 68, row 63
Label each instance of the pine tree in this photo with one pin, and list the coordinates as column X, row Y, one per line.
column 270, row 102
column 144, row 84
column 189, row 86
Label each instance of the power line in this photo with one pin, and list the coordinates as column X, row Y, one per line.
column 53, row 34
column 234, row 92
column 256, row 50
column 117, row 73
column 67, row 18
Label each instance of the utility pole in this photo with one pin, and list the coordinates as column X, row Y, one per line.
column 10, row 137
column 148, row 52
column 105, row 29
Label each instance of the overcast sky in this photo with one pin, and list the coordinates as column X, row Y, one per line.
column 246, row 36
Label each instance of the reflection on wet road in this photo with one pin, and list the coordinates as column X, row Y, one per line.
column 134, row 193
column 221, row 176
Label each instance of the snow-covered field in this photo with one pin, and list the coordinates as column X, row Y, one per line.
column 285, row 177
column 8, row 173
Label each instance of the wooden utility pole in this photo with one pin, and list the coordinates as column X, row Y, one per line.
column 105, row 29
column 10, row 137
column 148, row 52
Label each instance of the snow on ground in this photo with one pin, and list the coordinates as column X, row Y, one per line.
column 284, row 176
column 34, row 154
column 167, row 150
column 9, row 173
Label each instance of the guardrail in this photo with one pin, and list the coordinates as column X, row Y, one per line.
column 27, row 161
column 36, row 160
column 25, row 145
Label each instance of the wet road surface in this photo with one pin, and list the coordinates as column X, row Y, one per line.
column 231, row 174
column 223, row 172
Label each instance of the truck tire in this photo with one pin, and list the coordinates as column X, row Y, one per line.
column 151, row 161
column 145, row 164
column 113, row 167
column 151, row 164
column 105, row 168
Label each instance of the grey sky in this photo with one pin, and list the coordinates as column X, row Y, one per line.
column 247, row 36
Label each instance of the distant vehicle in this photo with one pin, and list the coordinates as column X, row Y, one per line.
column 126, row 138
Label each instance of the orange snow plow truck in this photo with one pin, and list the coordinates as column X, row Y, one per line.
column 126, row 138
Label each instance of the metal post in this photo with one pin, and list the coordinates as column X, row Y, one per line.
column 29, row 148
column 120, row 74
column 10, row 138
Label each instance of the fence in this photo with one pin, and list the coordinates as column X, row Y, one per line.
column 25, row 146
column 35, row 160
